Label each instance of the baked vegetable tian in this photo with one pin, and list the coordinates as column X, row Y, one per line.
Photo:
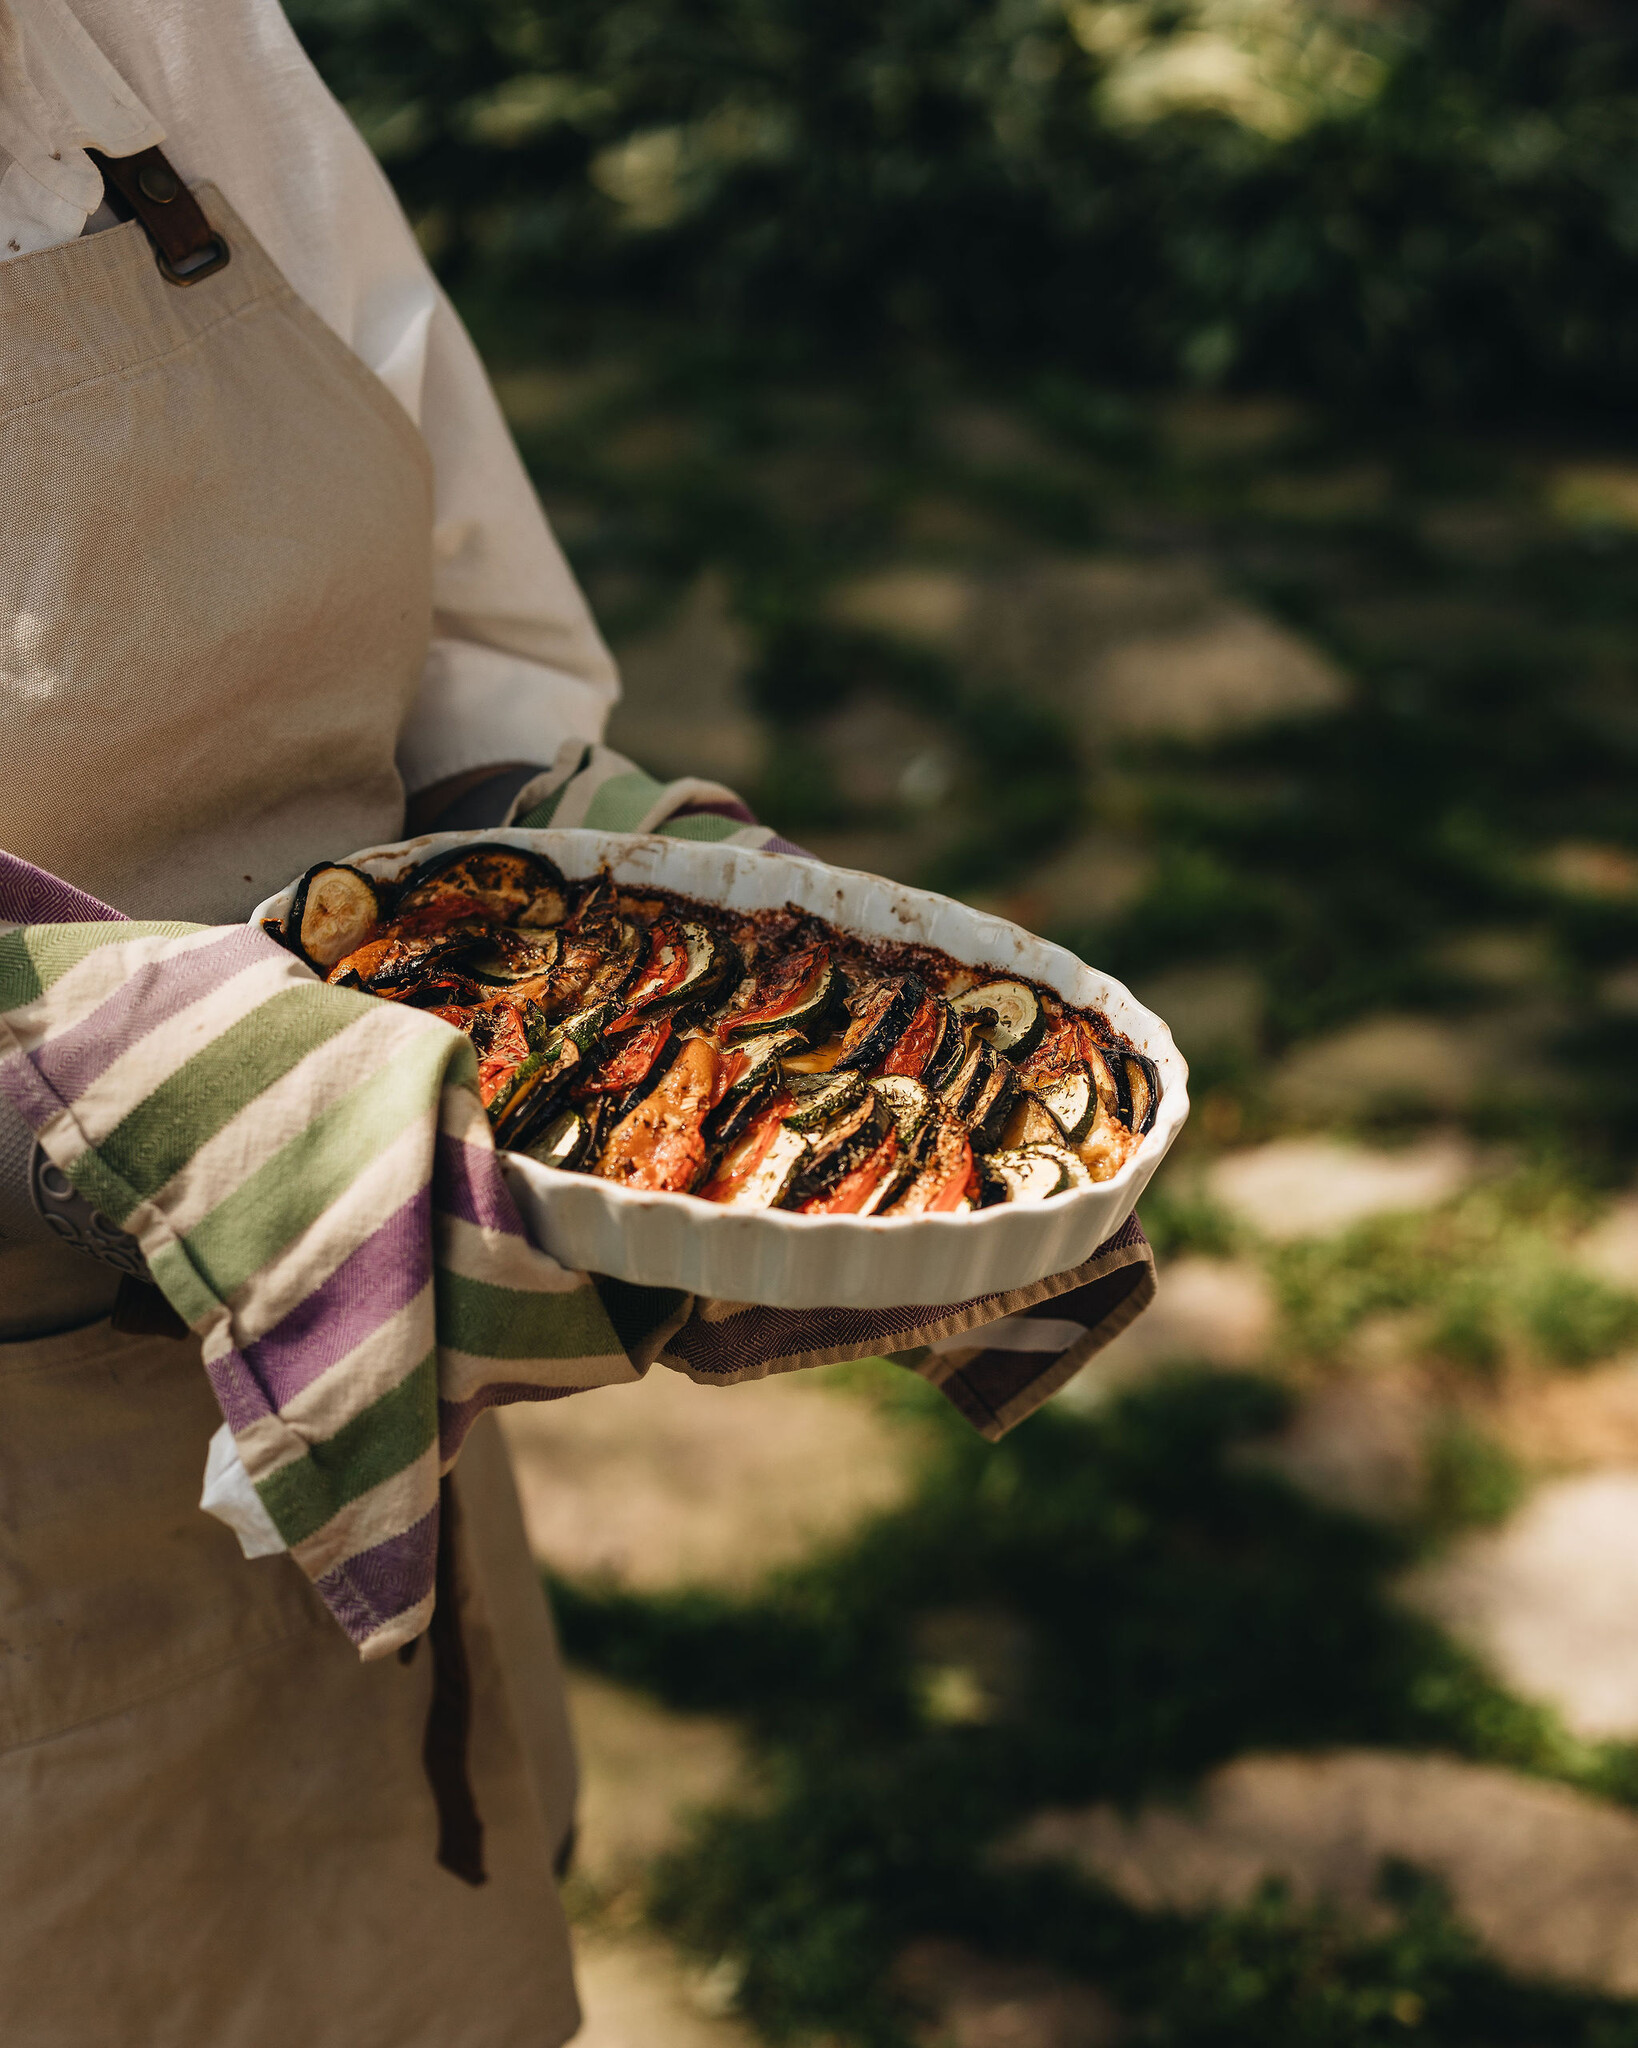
column 763, row 1058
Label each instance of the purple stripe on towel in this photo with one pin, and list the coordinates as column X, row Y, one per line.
column 455, row 1418
column 157, row 991
column 26, row 1092
column 388, row 1579
column 472, row 1188
column 28, row 895
column 371, row 1285
column 715, row 807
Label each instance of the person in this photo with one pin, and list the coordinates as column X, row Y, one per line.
column 269, row 566
column 271, row 577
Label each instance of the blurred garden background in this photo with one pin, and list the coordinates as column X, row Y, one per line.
column 1167, row 470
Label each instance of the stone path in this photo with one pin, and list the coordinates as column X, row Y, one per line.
column 667, row 1483
column 1314, row 1187
column 1546, row 1877
column 1551, row 1599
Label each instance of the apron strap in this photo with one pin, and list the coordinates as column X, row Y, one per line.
column 186, row 246
column 449, row 1716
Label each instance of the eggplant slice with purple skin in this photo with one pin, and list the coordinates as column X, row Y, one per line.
column 882, row 1019
column 334, row 910
column 1143, row 1092
column 507, row 882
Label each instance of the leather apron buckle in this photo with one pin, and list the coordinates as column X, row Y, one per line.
column 146, row 188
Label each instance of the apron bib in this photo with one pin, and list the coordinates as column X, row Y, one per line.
column 215, row 577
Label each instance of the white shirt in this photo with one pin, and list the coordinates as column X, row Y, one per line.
column 516, row 665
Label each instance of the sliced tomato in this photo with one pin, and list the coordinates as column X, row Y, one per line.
column 915, row 1048
column 660, row 973
column 660, row 1144
column 855, row 1189
column 745, row 1157
column 630, row 1059
column 506, row 1051
column 781, row 988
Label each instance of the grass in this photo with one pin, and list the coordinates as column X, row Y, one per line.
column 1100, row 1609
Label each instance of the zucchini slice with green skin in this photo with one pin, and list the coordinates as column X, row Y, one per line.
column 882, row 1021
column 563, row 1143
column 943, row 1176
column 822, row 1098
column 1006, row 1014
column 798, row 993
column 842, row 1144
column 1070, row 1098
column 661, row 972
column 906, row 1101
column 1143, row 1092
column 334, row 910
column 758, row 1171
column 749, row 1076
column 539, row 1077
column 510, row 958
column 1033, row 1173
column 713, row 967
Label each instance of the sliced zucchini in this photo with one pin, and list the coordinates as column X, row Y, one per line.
column 563, row 1142
column 1006, row 1014
column 555, row 1054
column 907, row 1102
column 882, row 1020
column 748, row 1077
column 1030, row 1174
column 662, row 970
column 334, row 910
column 864, row 1187
column 713, row 966
column 798, row 993
column 1143, row 1089
column 822, row 1098
column 509, row 959
column 1109, row 1073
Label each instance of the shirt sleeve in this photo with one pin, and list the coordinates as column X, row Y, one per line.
column 516, row 665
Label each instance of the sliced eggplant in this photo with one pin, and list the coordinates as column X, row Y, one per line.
column 942, row 1178
column 334, row 911
column 1143, row 1090
column 987, row 1117
column 1006, row 1014
column 394, row 966
column 971, row 1090
column 563, row 1142
column 883, row 1017
column 907, row 1102
column 503, row 881
column 840, row 1147
column 864, row 1187
column 949, row 1050
column 1029, row 1124
column 1030, row 1174
column 822, row 1098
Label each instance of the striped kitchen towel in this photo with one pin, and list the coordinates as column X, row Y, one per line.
column 311, row 1177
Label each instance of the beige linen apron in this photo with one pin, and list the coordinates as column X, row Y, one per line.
column 214, row 1827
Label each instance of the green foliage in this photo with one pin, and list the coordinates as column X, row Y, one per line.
column 1472, row 1481
column 1152, row 1609
column 1485, row 1277
column 1432, row 203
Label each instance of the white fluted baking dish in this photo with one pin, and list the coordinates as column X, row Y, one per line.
column 769, row 1255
